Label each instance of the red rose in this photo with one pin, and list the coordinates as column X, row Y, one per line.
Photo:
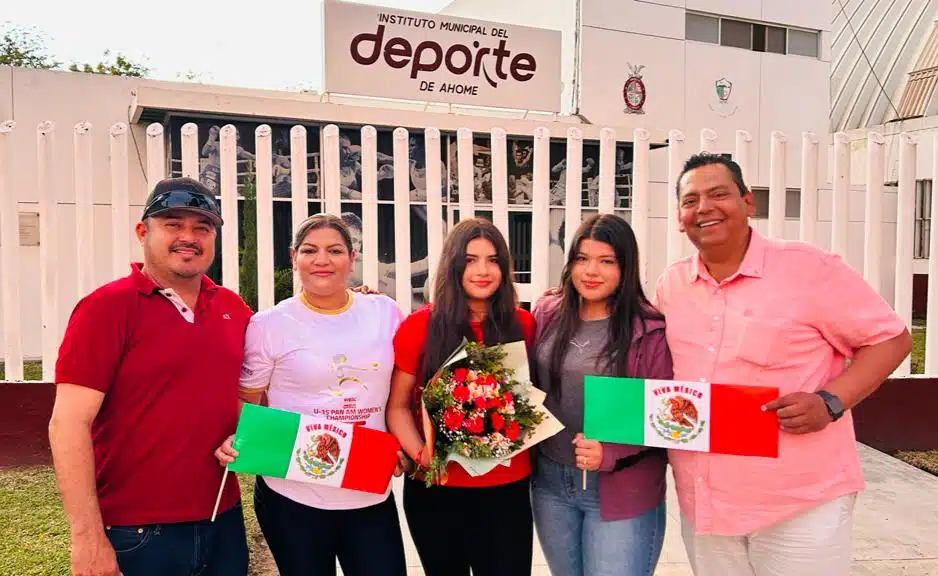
column 459, row 375
column 494, row 403
column 452, row 418
column 490, row 380
column 513, row 430
column 498, row 422
column 461, row 394
column 480, row 403
column 474, row 425
column 508, row 398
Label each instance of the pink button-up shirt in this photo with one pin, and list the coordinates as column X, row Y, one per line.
column 788, row 319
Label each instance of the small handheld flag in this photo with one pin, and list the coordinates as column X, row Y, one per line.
column 697, row 416
column 293, row 446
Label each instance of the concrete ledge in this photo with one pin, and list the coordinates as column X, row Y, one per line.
column 24, row 419
column 901, row 415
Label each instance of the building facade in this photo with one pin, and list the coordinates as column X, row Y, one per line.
column 883, row 77
column 727, row 65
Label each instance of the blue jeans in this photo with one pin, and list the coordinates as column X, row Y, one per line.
column 202, row 548
column 576, row 542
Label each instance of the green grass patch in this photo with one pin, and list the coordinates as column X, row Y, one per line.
column 918, row 351
column 32, row 370
column 927, row 460
column 34, row 534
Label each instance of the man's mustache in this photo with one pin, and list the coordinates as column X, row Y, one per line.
column 186, row 245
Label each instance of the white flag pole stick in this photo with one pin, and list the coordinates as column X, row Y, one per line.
column 584, row 472
column 222, row 489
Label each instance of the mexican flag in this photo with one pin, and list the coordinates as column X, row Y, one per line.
column 294, row 446
column 717, row 418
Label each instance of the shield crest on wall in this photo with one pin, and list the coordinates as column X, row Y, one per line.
column 633, row 92
column 724, row 89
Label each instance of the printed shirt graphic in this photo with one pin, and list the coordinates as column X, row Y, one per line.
column 326, row 366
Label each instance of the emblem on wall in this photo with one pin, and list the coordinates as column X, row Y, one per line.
column 633, row 92
column 722, row 105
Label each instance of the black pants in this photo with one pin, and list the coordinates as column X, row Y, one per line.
column 487, row 529
column 305, row 541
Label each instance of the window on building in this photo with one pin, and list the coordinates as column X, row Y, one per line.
column 920, row 86
column 735, row 34
column 702, row 28
column 758, row 37
column 776, row 39
column 803, row 43
column 922, row 218
column 768, row 38
column 792, row 202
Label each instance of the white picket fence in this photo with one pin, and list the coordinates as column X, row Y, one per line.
column 678, row 150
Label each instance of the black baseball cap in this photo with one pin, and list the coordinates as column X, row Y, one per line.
column 182, row 194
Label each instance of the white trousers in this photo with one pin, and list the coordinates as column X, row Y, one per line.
column 816, row 543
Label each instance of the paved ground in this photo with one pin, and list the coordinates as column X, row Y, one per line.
column 896, row 528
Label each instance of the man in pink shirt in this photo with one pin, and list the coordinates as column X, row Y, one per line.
column 752, row 311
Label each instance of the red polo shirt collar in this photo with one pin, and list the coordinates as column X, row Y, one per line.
column 147, row 286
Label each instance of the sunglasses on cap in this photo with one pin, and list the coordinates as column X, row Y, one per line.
column 183, row 200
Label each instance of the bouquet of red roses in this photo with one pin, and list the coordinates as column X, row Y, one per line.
column 476, row 412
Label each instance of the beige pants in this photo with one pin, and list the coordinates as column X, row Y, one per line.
column 816, row 543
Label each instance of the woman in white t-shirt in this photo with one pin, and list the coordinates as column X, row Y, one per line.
column 325, row 352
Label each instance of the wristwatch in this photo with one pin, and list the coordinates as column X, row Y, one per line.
column 834, row 406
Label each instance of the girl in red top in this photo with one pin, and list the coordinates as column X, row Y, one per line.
column 483, row 523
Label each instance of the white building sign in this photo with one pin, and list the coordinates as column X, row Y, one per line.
column 382, row 52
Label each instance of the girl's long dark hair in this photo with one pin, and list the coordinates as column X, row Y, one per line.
column 626, row 304
column 449, row 319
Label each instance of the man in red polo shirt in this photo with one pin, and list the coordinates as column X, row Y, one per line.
column 147, row 379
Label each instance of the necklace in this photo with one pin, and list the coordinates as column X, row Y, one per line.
column 581, row 348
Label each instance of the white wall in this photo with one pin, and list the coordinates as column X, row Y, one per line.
column 748, row 9
column 603, row 77
column 769, row 91
column 65, row 98
column 793, row 98
column 6, row 92
column 799, row 13
column 923, row 132
column 32, row 96
column 648, row 18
